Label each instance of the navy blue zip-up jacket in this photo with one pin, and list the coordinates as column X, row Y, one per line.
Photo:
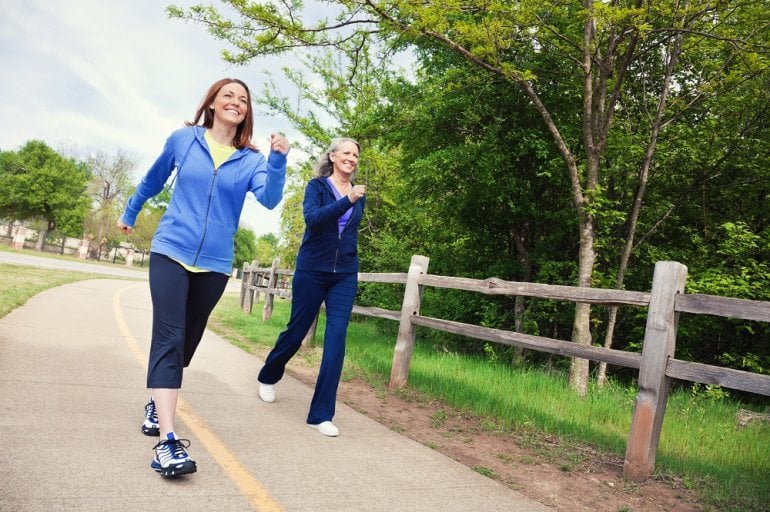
column 199, row 225
column 323, row 248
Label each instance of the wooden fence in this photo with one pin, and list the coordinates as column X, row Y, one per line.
column 656, row 364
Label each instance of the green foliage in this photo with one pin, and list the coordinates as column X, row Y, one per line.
column 491, row 152
column 38, row 183
column 266, row 249
column 245, row 247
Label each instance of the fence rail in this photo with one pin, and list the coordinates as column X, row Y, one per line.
column 656, row 364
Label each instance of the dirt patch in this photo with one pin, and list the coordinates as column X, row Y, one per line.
column 568, row 478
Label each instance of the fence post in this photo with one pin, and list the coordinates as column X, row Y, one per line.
column 406, row 330
column 309, row 339
column 659, row 343
column 267, row 310
column 244, row 285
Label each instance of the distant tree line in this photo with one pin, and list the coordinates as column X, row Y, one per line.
column 67, row 195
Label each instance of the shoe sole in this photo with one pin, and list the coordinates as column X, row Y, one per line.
column 152, row 431
column 327, row 434
column 175, row 470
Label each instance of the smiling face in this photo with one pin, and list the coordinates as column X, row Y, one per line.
column 345, row 159
column 230, row 104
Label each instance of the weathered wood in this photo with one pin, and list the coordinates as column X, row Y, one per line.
column 659, row 343
column 244, row 286
column 377, row 312
column 726, row 377
column 495, row 286
column 723, row 306
column 402, row 356
column 284, row 294
column 309, row 339
column 267, row 309
column 382, row 277
column 249, row 277
column 528, row 341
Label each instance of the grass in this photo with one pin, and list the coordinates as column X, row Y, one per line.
column 19, row 282
column 700, row 443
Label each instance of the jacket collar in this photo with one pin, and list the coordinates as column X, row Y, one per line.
column 199, row 132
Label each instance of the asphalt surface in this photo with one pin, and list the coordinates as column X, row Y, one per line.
column 72, row 395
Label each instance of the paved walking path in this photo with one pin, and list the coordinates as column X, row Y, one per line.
column 72, row 370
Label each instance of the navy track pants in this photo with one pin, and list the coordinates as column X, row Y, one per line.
column 309, row 290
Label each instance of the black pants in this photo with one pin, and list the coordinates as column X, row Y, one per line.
column 181, row 304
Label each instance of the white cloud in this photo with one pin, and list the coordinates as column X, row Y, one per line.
column 108, row 75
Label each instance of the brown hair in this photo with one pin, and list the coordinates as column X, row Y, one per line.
column 242, row 137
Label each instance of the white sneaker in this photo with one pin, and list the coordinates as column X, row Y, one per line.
column 327, row 428
column 267, row 392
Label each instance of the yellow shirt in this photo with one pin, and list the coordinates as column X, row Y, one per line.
column 219, row 152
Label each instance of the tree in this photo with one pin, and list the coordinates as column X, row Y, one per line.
column 108, row 188
column 595, row 53
column 40, row 184
column 245, row 247
column 266, row 248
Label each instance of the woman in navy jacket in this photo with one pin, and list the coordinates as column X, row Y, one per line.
column 326, row 271
column 192, row 249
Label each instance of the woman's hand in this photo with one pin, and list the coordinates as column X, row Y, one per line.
column 124, row 227
column 356, row 193
column 279, row 143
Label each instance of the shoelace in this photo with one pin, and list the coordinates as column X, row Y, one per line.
column 175, row 446
column 150, row 412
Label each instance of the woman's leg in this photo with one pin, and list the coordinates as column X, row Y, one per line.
column 339, row 304
column 168, row 287
column 307, row 294
column 206, row 288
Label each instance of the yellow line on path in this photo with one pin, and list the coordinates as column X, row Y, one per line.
column 257, row 495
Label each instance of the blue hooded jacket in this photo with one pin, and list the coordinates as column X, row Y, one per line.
column 199, row 225
column 324, row 248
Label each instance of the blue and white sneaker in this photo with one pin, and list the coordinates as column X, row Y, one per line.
column 171, row 459
column 150, row 426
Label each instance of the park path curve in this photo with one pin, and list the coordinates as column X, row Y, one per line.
column 72, row 370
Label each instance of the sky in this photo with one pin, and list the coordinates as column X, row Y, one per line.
column 110, row 75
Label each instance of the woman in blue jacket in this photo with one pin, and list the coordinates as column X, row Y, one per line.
column 326, row 271
column 192, row 250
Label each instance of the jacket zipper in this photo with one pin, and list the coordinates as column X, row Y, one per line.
column 205, row 219
column 339, row 242
column 337, row 252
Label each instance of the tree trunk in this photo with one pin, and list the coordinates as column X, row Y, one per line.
column 636, row 209
column 581, row 328
column 41, row 234
column 520, row 302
